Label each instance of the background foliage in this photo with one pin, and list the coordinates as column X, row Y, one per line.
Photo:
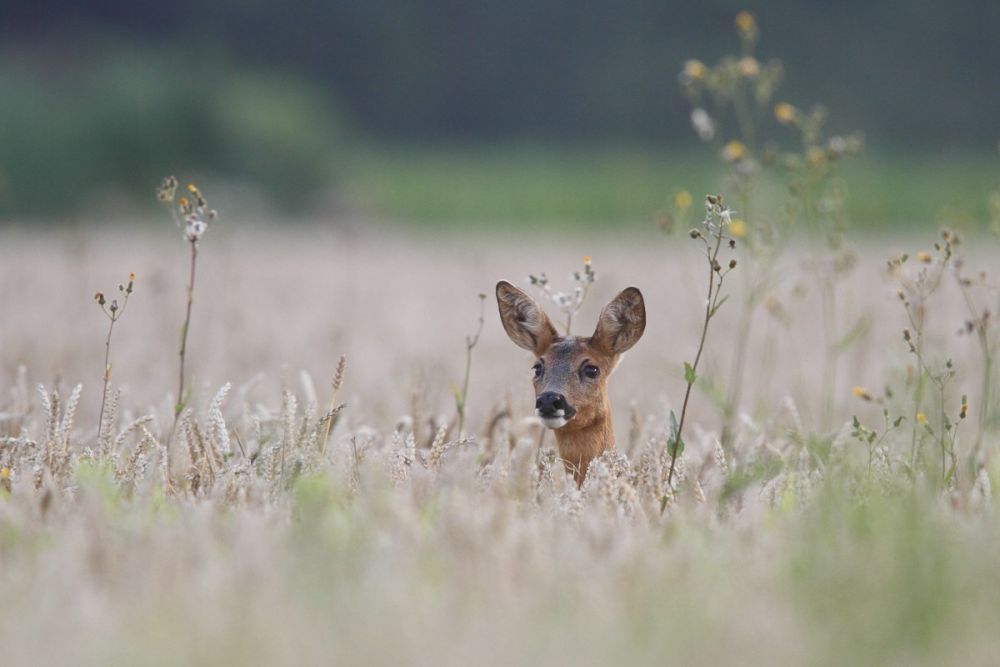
column 100, row 99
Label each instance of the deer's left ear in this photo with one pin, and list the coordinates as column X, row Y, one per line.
column 622, row 322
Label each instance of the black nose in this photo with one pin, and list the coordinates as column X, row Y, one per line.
column 549, row 403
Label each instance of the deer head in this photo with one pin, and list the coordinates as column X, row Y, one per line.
column 570, row 373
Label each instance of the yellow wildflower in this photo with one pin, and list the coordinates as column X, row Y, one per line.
column 785, row 113
column 749, row 67
column 586, row 260
column 746, row 23
column 682, row 200
column 734, row 151
column 860, row 392
column 924, row 257
column 695, row 70
column 815, row 156
column 192, row 188
column 5, row 473
column 738, row 228
column 921, row 418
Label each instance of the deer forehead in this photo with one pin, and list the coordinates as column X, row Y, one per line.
column 567, row 353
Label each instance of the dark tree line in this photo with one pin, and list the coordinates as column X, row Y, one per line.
column 903, row 71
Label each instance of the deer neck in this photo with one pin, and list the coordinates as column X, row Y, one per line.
column 578, row 447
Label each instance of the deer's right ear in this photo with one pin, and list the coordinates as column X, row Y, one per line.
column 526, row 324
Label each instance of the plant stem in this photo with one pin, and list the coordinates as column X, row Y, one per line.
column 107, row 377
column 713, row 296
column 917, row 400
column 982, row 335
column 184, row 331
column 112, row 313
column 465, row 389
column 470, row 343
column 179, row 407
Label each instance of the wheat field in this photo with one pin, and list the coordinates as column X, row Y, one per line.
column 246, row 539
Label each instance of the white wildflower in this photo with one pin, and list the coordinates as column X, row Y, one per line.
column 703, row 124
column 194, row 228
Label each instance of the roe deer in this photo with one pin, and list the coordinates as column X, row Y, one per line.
column 571, row 372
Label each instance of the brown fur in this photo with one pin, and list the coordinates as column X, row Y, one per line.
column 589, row 432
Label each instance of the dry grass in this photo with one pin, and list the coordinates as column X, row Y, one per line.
column 245, row 544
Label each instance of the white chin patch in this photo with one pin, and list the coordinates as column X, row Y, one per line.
column 553, row 422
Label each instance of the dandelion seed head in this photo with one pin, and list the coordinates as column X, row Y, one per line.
column 838, row 145
column 703, row 124
column 167, row 189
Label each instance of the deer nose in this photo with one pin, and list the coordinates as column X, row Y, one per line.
column 551, row 404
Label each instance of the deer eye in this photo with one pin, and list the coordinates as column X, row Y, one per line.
column 591, row 371
column 538, row 369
